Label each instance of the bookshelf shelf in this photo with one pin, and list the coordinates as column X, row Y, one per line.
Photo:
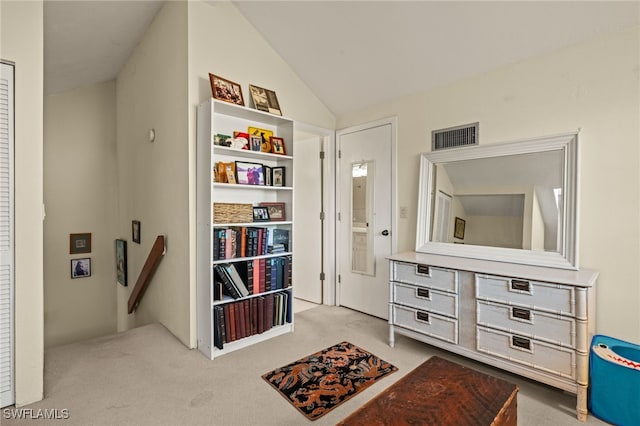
column 243, row 259
column 233, row 258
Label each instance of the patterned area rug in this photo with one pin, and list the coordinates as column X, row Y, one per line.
column 318, row 383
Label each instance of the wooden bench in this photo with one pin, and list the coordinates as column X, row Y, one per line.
column 440, row 392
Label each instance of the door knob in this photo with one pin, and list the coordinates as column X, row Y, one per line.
column 385, row 232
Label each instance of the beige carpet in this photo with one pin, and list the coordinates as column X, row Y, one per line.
column 147, row 377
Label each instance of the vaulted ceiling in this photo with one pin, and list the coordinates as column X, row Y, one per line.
column 350, row 53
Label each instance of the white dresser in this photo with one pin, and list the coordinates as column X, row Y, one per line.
column 529, row 320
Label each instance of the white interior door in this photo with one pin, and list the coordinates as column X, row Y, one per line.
column 6, row 237
column 307, row 228
column 366, row 215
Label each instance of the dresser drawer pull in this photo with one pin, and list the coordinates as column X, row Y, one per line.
column 422, row 316
column 520, row 313
column 423, row 269
column 520, row 342
column 520, row 285
column 422, row 292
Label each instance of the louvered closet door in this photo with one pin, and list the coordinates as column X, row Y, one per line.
column 6, row 237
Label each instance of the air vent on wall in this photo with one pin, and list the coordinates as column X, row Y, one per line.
column 453, row 137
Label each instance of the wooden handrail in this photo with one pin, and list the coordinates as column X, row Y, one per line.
column 150, row 265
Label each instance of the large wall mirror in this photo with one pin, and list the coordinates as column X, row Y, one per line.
column 512, row 202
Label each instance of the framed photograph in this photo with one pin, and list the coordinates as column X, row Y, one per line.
column 260, row 214
column 81, row 268
column 80, row 243
column 135, row 231
column 267, row 175
column 458, row 230
column 255, row 142
column 278, row 176
column 264, row 134
column 276, row 211
column 277, row 145
column 121, row 261
column 265, row 100
column 230, row 172
column 221, row 140
column 226, row 90
column 249, row 173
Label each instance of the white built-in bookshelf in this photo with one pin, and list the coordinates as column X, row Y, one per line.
column 250, row 240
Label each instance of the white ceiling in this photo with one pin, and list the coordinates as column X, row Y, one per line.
column 350, row 54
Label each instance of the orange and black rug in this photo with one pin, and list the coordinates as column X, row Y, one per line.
column 320, row 382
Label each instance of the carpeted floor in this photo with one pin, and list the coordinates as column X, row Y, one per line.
column 147, row 377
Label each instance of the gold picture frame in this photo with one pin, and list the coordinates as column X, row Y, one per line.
column 226, row 90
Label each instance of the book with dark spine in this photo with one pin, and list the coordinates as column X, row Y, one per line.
column 231, row 290
column 247, row 317
column 218, row 329
column 235, row 277
column 232, row 319
column 261, row 274
column 261, row 315
column 227, row 323
column 267, row 275
column 241, row 320
column 254, row 315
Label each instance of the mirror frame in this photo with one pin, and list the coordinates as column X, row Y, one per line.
column 566, row 258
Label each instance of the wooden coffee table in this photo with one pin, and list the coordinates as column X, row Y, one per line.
column 440, row 392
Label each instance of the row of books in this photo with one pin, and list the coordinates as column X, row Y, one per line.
column 247, row 277
column 247, row 241
column 244, row 318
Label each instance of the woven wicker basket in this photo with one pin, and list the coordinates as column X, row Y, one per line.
column 232, row 213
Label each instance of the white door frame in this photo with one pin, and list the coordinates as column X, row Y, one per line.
column 393, row 121
column 329, row 194
column 7, row 396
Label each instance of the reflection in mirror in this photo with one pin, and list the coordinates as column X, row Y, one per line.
column 517, row 202
column 510, row 201
column 362, row 256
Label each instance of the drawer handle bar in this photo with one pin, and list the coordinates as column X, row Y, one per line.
column 422, row 292
column 423, row 269
column 520, row 285
column 520, row 342
column 520, row 313
column 422, row 316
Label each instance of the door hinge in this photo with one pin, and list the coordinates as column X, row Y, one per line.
column 339, row 216
column 322, row 155
column 339, row 153
column 339, row 279
column 321, row 215
column 321, row 276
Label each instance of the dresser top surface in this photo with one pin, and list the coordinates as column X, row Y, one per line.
column 580, row 277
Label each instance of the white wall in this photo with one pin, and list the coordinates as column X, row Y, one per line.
column 21, row 41
column 80, row 196
column 153, row 178
column 594, row 86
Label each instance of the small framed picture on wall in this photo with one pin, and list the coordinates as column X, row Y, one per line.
column 80, row 243
column 121, row 262
column 135, row 231
column 81, row 268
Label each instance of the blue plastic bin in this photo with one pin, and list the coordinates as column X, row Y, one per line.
column 614, row 381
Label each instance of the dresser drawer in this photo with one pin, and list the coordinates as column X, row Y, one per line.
column 534, row 353
column 538, row 325
column 427, row 323
column 541, row 296
column 424, row 275
column 426, row 299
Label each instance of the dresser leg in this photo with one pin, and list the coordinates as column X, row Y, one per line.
column 581, row 406
column 392, row 337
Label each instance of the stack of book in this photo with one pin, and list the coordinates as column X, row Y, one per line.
column 244, row 318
